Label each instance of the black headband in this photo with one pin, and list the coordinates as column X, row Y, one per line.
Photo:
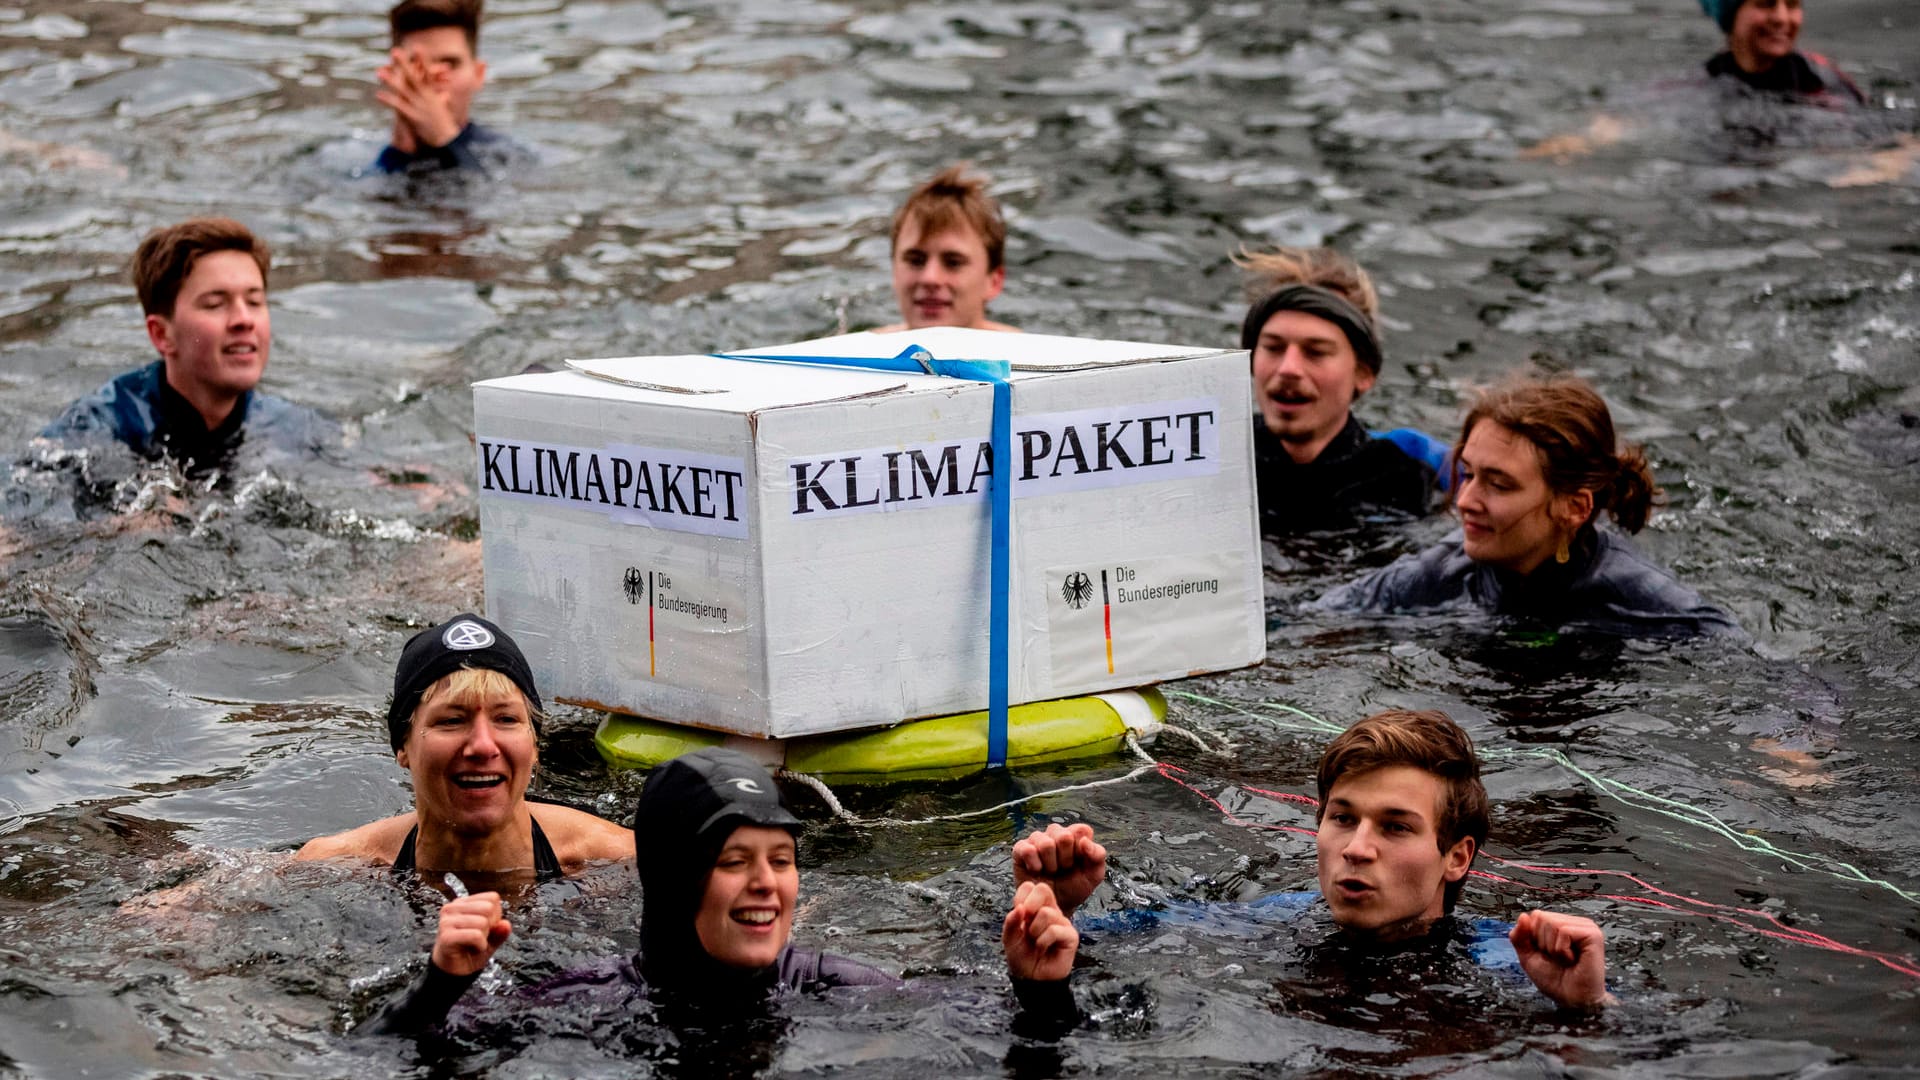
column 1325, row 304
column 464, row 641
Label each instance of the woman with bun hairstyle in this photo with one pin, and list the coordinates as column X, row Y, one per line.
column 464, row 722
column 1537, row 464
column 719, row 887
column 1313, row 338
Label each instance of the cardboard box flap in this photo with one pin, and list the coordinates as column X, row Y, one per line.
column 1026, row 352
column 709, row 382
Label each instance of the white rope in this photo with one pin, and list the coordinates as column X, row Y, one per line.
column 840, row 811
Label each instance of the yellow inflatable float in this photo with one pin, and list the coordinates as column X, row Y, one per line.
column 940, row 748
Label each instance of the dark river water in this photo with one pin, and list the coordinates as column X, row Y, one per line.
column 192, row 677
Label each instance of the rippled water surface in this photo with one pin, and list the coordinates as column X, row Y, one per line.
column 192, row 678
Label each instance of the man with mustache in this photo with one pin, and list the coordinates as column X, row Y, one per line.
column 1314, row 344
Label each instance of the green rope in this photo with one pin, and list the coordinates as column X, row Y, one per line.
column 1671, row 809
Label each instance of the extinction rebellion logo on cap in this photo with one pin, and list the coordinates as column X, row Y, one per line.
column 467, row 635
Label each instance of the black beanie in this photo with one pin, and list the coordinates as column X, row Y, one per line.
column 464, row 641
column 688, row 809
column 1361, row 333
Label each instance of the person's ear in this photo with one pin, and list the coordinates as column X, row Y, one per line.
column 1574, row 510
column 479, row 74
column 1363, row 378
column 1459, row 859
column 400, row 756
column 160, row 333
column 996, row 281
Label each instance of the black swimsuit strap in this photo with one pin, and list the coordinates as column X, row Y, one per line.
column 546, row 864
column 403, row 862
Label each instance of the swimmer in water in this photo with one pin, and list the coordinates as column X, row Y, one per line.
column 432, row 75
column 949, row 244
column 1537, row 465
column 718, row 890
column 1402, row 815
column 464, row 722
column 1314, row 338
column 1760, row 52
column 1761, row 56
column 203, row 286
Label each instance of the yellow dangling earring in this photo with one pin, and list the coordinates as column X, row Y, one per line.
column 1563, row 554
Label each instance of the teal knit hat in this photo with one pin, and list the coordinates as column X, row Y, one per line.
column 1721, row 11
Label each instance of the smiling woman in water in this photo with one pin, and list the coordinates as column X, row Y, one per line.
column 1538, row 465
column 464, row 722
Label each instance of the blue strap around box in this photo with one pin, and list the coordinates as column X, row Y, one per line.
column 921, row 362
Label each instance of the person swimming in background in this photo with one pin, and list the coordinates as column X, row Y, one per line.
column 1314, row 339
column 1537, row 464
column 464, row 722
column 719, row 884
column 949, row 254
column 1402, row 815
column 1760, row 53
column 203, row 287
column 430, row 80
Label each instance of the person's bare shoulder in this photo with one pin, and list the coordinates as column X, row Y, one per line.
column 377, row 842
column 579, row 837
column 1002, row 327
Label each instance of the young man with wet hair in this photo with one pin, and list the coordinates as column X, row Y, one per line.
column 1402, row 815
column 1313, row 341
column 949, row 247
column 429, row 82
column 203, row 286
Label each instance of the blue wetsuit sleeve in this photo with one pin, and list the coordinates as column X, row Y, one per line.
column 1491, row 949
column 422, row 1007
column 391, row 160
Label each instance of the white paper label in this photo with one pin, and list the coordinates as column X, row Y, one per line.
column 673, row 626
column 634, row 485
column 1052, row 453
column 1144, row 617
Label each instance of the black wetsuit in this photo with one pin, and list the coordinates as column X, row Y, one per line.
column 1807, row 75
column 1356, row 477
column 141, row 410
column 476, row 149
column 546, row 865
column 1606, row 584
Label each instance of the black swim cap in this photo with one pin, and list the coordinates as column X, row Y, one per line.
column 688, row 809
column 464, row 641
column 1361, row 333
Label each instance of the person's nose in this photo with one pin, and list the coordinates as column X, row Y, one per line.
column 481, row 742
column 760, row 876
column 1293, row 362
column 240, row 313
column 1361, row 846
column 1468, row 497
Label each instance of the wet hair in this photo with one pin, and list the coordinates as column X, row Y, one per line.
column 467, row 687
column 1269, row 271
column 954, row 199
column 413, row 16
column 1427, row 740
column 1569, row 424
column 165, row 258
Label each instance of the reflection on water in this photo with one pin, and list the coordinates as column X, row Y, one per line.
column 194, row 672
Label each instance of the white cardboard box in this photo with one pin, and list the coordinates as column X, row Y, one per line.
column 788, row 549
